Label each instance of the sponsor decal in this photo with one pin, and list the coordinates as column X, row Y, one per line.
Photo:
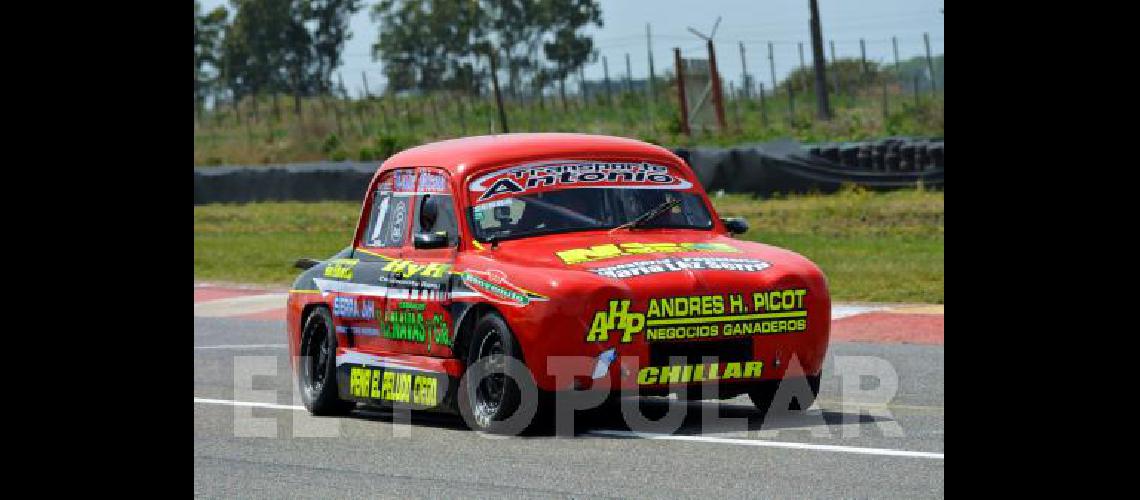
column 391, row 289
column 409, row 322
column 611, row 251
column 408, row 269
column 404, row 180
column 396, row 233
column 340, row 268
column 668, row 265
column 494, row 286
column 564, row 174
column 354, row 308
column 387, row 385
column 433, row 182
column 675, row 374
column 358, row 330
column 703, row 316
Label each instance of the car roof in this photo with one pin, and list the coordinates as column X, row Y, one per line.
column 469, row 155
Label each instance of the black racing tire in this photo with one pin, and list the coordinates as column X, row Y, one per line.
column 763, row 393
column 496, row 395
column 316, row 372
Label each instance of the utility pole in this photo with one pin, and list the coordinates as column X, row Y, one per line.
column 823, row 108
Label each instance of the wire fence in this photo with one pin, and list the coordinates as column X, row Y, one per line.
column 876, row 87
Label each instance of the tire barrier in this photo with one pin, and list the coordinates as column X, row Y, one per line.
column 895, row 154
column 782, row 166
column 322, row 181
column 786, row 167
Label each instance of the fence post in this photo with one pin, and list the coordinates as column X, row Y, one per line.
column 652, row 75
column 835, row 72
column 772, row 65
column 582, row 85
column 916, row 90
column 863, row 56
column 929, row 61
column 498, row 95
column 791, row 104
column 895, row 44
column 652, row 84
column 886, row 104
column 628, row 75
column 435, row 114
column 462, row 117
column 681, row 91
column 763, row 107
column 606, row 73
column 744, row 86
column 803, row 65
column 384, row 115
column 717, row 91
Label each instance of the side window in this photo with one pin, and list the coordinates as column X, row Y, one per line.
column 391, row 208
column 435, row 210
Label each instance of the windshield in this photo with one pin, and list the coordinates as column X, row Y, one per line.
column 576, row 196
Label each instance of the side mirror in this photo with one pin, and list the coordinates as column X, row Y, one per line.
column 735, row 225
column 425, row 241
column 305, row 263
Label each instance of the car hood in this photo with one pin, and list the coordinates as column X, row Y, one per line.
column 625, row 254
column 598, row 265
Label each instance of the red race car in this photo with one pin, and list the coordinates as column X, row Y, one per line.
column 488, row 272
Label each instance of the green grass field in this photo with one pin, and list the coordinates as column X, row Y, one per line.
column 880, row 247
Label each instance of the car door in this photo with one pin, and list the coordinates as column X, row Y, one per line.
column 361, row 309
column 417, row 318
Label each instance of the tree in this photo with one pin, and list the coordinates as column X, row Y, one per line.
column 208, row 29
column 569, row 50
column 285, row 45
column 433, row 44
column 426, row 44
column 331, row 18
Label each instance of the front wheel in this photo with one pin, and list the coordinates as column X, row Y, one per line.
column 497, row 392
column 762, row 394
column 317, row 371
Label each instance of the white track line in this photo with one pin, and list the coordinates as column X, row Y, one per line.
column 668, row 437
column 839, row 311
column 243, row 346
column 236, row 306
column 773, row 444
column 245, row 403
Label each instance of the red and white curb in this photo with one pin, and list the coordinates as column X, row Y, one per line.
column 909, row 324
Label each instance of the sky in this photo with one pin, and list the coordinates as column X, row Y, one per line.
column 754, row 23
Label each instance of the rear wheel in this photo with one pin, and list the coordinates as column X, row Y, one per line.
column 762, row 394
column 317, row 371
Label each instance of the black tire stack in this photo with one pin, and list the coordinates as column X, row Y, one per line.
column 895, row 154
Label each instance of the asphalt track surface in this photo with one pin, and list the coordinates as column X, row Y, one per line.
column 252, row 439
